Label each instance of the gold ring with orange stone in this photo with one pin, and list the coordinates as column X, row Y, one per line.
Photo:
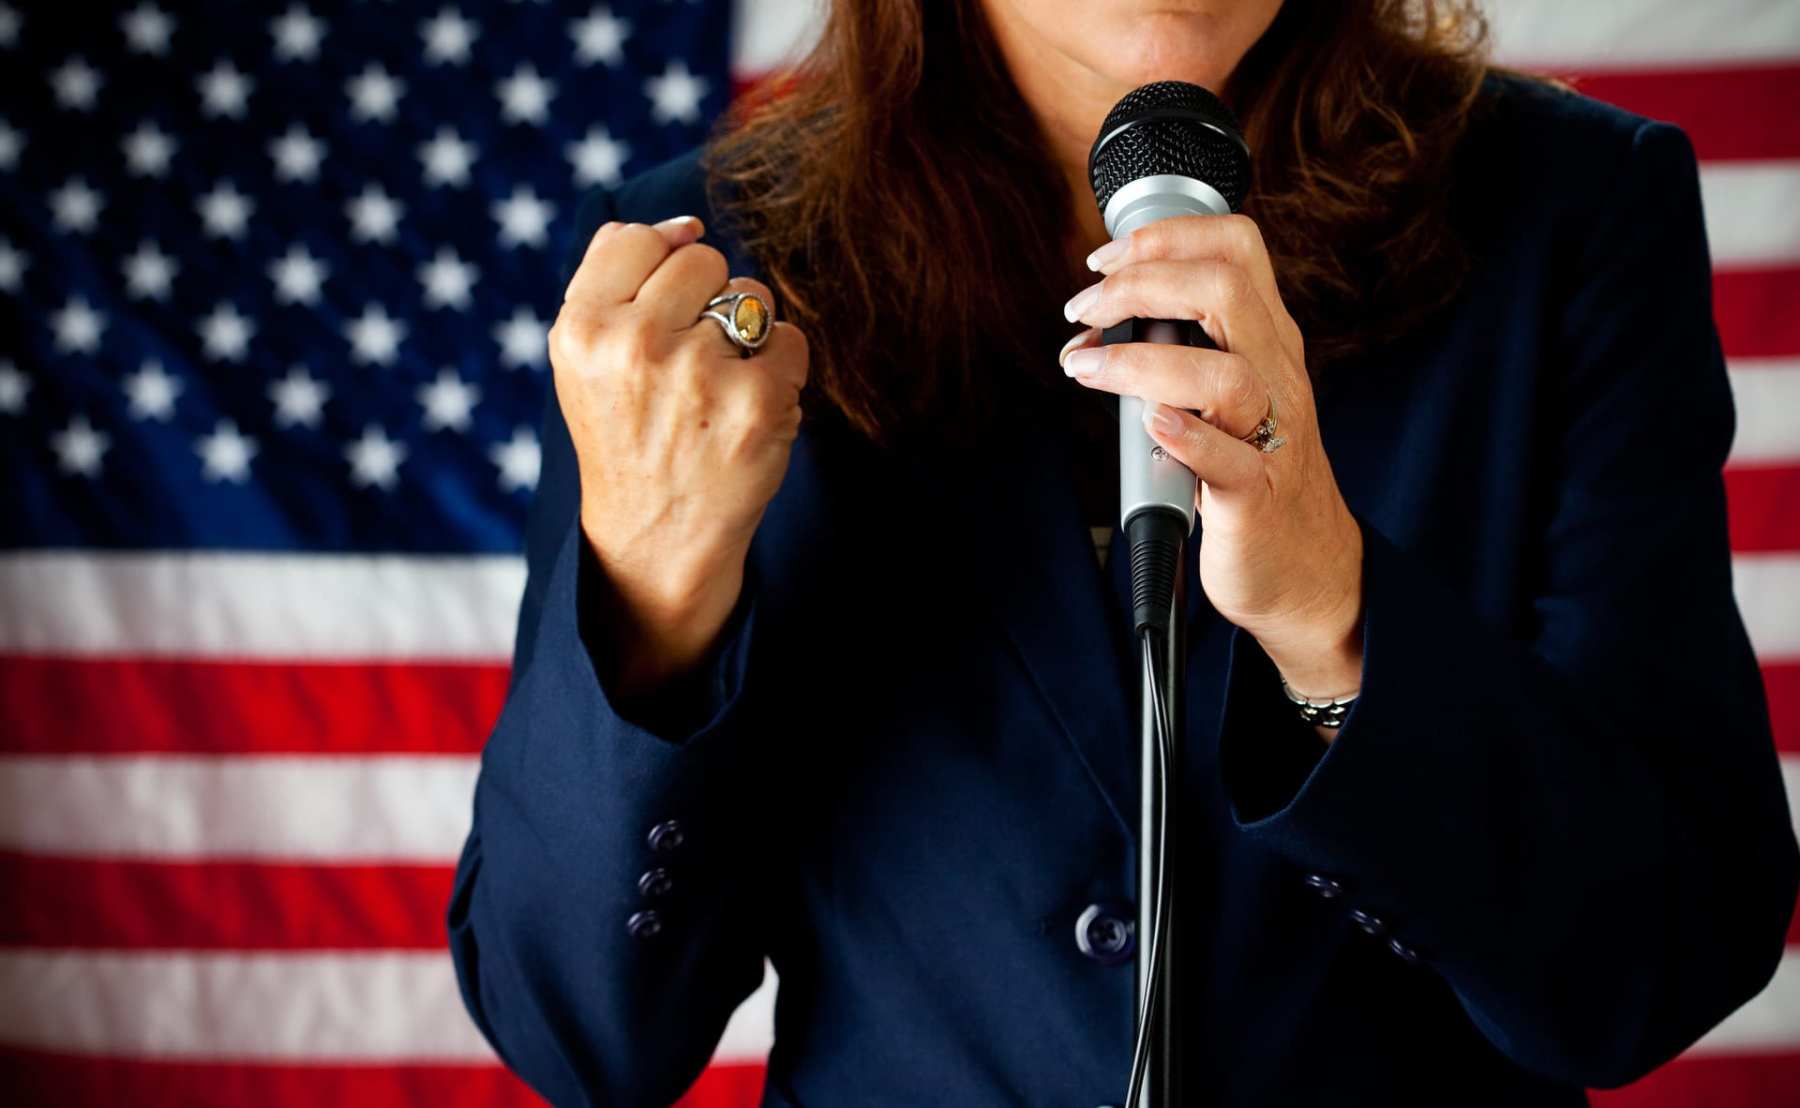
column 745, row 318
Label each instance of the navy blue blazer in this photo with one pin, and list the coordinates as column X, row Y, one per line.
column 1548, row 849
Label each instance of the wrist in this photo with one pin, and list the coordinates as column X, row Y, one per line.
column 653, row 631
column 1320, row 655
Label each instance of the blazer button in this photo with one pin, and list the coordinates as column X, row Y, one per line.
column 1402, row 951
column 1324, row 886
column 1369, row 923
column 655, row 882
column 667, row 836
column 1106, row 932
column 645, row 924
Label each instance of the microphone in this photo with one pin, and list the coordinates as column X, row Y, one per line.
column 1166, row 149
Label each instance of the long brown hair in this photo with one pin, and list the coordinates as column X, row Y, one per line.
column 900, row 197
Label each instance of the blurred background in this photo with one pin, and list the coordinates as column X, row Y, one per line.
column 274, row 281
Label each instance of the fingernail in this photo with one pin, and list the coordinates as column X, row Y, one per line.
column 1081, row 302
column 1158, row 419
column 1108, row 254
column 1080, row 337
column 681, row 223
column 1085, row 363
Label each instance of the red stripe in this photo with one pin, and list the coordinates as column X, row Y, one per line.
column 1755, row 311
column 1730, row 113
column 89, row 903
column 34, row 1078
column 61, row 705
column 1763, row 504
column 1782, row 682
column 1713, row 1081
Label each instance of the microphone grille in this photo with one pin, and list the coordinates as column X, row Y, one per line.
column 1170, row 127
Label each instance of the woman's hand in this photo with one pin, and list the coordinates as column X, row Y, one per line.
column 681, row 442
column 1280, row 554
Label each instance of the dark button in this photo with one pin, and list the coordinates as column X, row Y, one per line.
column 655, row 882
column 1106, row 932
column 1324, row 885
column 667, row 836
column 1404, row 952
column 645, row 924
column 1369, row 923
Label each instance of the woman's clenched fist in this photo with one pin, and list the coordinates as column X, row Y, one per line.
column 681, row 442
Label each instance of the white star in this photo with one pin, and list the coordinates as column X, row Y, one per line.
column 374, row 94
column 76, row 83
column 598, row 158
column 13, row 387
column 525, row 96
column 225, row 454
column 11, row 142
column 519, row 460
column 598, row 37
column 13, row 263
column 448, row 402
column 297, row 276
column 447, row 159
column 151, row 391
column 149, row 272
column 447, row 280
column 147, row 29
column 77, row 327
column 299, row 398
column 375, row 336
column 373, row 215
column 226, row 333
column 9, row 25
column 79, row 447
column 148, row 150
column 297, row 155
column 224, row 91
column 225, row 211
column 524, row 219
column 297, row 33
column 75, row 207
column 447, row 37
column 374, row 458
column 521, row 339
column 675, row 95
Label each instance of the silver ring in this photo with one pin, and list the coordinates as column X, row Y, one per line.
column 1264, row 437
column 746, row 319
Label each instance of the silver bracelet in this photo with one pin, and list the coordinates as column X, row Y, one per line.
column 1320, row 713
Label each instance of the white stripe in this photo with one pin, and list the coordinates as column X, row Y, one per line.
column 750, row 1033
column 1752, row 211
column 1770, row 1021
column 1766, row 393
column 259, row 605
column 387, row 808
column 1597, row 34
column 1768, row 597
column 768, row 34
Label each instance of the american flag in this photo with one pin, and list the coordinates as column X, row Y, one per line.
column 273, row 282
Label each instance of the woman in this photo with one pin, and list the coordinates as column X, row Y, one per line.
column 816, row 662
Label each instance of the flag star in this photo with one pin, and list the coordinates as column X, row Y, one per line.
column 522, row 339
column 525, row 96
column 147, row 29
column 598, row 158
column 225, row 211
column 447, row 280
column 374, row 94
column 149, row 272
column 297, row 276
column 299, row 398
column 224, row 91
column 12, row 267
column 77, row 327
column 447, row 158
column 151, row 391
column 519, row 460
column 374, row 215
column 448, row 402
column 225, row 454
column 447, row 37
column 599, row 37
column 375, row 458
column 13, row 387
column 297, row 33
column 226, row 333
column 675, row 95
column 79, row 447
column 75, row 206
column 76, row 83
column 524, row 219
column 297, row 155
column 11, row 142
column 375, row 336
column 9, row 25
column 148, row 150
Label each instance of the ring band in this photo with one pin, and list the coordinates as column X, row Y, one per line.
column 744, row 319
column 1264, row 437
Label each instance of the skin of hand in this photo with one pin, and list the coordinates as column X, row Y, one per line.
column 681, row 443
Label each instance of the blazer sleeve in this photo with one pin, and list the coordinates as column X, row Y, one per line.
column 1580, row 827
column 581, row 795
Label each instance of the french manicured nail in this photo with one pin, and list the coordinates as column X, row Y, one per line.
column 1107, row 254
column 1085, row 362
column 1081, row 302
column 1079, row 337
column 1158, row 418
column 682, row 223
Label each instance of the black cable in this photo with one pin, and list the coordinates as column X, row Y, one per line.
column 1164, row 727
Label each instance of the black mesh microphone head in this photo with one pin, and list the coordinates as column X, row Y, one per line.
column 1170, row 127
